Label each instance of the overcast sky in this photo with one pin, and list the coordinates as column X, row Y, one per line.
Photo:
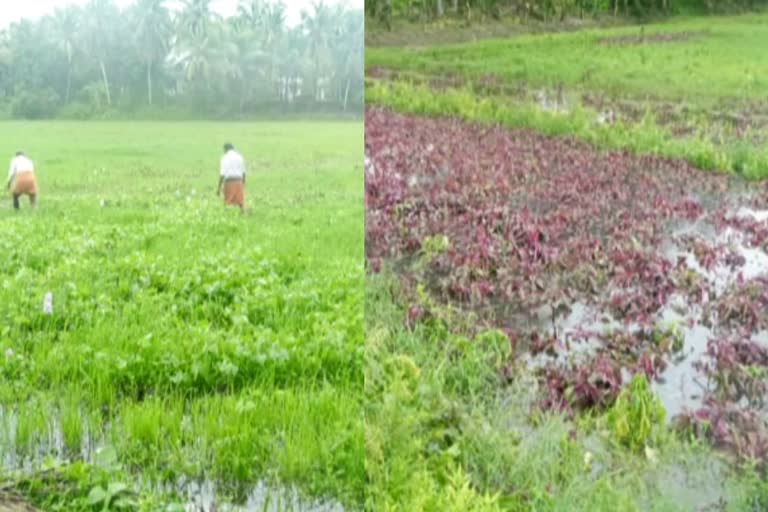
column 14, row 10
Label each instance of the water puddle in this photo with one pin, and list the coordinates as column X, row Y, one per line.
column 264, row 497
column 46, row 441
column 721, row 274
column 680, row 386
column 555, row 102
column 749, row 213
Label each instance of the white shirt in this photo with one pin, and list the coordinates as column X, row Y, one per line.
column 232, row 165
column 19, row 165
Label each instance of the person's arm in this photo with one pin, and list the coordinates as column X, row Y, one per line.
column 11, row 172
column 221, row 177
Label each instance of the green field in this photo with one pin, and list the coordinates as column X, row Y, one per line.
column 689, row 87
column 720, row 58
column 188, row 342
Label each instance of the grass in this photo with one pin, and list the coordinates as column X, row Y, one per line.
column 697, row 96
column 195, row 342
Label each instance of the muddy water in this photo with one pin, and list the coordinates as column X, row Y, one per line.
column 681, row 388
column 202, row 495
column 681, row 385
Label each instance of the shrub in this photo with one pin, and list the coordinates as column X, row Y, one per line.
column 35, row 104
column 77, row 110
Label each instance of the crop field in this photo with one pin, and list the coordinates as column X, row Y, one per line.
column 690, row 88
column 590, row 303
column 195, row 358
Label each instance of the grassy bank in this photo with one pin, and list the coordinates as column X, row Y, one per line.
column 195, row 343
column 648, row 136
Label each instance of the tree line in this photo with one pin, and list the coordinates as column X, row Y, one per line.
column 100, row 60
column 544, row 10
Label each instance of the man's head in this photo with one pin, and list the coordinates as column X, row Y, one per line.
column 228, row 147
column 19, row 153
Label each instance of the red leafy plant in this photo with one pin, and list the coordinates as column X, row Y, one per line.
column 743, row 306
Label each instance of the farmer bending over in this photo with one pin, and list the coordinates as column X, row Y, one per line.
column 232, row 177
column 22, row 172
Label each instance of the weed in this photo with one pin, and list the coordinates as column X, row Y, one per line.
column 636, row 416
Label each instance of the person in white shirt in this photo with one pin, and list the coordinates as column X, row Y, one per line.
column 22, row 175
column 232, row 177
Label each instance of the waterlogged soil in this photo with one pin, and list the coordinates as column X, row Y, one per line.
column 679, row 385
column 728, row 122
column 597, row 265
column 196, row 495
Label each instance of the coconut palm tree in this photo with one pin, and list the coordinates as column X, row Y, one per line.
column 252, row 13
column 266, row 21
column 349, row 52
column 318, row 27
column 246, row 60
column 101, row 53
column 6, row 57
column 153, row 30
column 195, row 19
column 99, row 29
column 65, row 27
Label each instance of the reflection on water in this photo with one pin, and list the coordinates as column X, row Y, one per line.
column 196, row 495
column 680, row 386
column 205, row 497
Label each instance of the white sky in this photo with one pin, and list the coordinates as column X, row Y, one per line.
column 14, row 10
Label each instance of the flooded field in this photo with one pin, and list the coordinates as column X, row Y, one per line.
column 597, row 265
column 215, row 356
column 26, row 456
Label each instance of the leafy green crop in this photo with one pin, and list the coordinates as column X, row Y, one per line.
column 196, row 341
